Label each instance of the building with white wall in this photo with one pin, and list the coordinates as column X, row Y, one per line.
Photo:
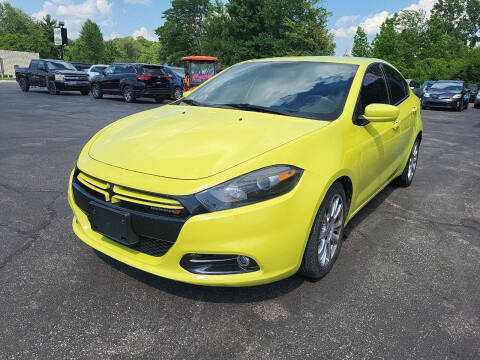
column 9, row 60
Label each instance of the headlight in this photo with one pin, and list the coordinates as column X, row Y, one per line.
column 258, row 185
column 426, row 94
column 59, row 77
column 457, row 96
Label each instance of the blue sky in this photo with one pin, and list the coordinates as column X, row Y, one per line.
column 118, row 18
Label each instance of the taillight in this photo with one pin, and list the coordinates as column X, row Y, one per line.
column 168, row 77
column 144, row 77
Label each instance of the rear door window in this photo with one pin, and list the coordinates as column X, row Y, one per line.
column 119, row 69
column 397, row 85
column 374, row 88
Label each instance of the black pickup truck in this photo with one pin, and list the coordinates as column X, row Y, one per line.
column 55, row 75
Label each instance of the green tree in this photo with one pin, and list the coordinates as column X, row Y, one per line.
column 90, row 43
column 460, row 19
column 386, row 44
column 246, row 29
column 13, row 20
column 361, row 46
column 183, row 32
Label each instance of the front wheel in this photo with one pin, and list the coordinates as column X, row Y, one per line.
column 24, row 86
column 325, row 240
column 460, row 107
column 52, row 89
column 465, row 106
column 128, row 94
column 405, row 179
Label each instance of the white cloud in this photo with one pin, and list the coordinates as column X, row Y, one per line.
column 143, row 2
column 346, row 20
column 344, row 26
column 75, row 13
column 112, row 36
column 144, row 33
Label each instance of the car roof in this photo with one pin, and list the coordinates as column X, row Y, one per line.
column 335, row 59
column 450, row 81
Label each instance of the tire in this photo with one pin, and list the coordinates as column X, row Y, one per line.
column 460, row 107
column 159, row 99
column 465, row 106
column 326, row 236
column 24, row 85
column 96, row 91
column 128, row 95
column 177, row 93
column 52, row 89
column 425, row 107
column 406, row 178
column 84, row 92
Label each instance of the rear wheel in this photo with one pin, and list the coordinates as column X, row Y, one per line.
column 177, row 93
column 405, row 179
column 96, row 91
column 24, row 86
column 128, row 94
column 325, row 240
column 84, row 92
column 52, row 88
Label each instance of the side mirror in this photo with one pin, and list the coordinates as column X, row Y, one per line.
column 381, row 113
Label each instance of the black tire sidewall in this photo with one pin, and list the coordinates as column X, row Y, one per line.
column 310, row 265
column 51, row 85
column 124, row 91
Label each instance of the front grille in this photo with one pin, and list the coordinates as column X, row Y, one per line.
column 152, row 247
column 155, row 219
column 76, row 78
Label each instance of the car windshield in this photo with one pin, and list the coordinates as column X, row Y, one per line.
column 60, row 65
column 473, row 87
column 316, row 90
column 447, row 86
column 179, row 71
column 201, row 71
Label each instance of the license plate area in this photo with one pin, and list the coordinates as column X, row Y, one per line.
column 114, row 224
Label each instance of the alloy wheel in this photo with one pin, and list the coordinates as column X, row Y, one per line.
column 412, row 161
column 177, row 94
column 331, row 230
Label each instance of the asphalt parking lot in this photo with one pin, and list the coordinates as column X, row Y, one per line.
column 406, row 285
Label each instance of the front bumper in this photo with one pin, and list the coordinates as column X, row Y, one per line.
column 73, row 85
column 273, row 233
column 441, row 103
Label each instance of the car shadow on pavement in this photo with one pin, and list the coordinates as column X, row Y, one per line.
column 216, row 294
column 232, row 294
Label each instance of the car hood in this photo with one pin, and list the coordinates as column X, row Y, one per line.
column 187, row 142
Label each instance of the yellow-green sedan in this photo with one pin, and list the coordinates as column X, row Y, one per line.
column 252, row 177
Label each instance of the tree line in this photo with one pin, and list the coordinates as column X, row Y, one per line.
column 441, row 46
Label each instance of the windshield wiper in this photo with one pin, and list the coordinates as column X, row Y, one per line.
column 251, row 107
column 191, row 102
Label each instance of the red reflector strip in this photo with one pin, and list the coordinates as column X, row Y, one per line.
column 144, row 77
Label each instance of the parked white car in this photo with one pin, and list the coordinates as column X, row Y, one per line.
column 95, row 70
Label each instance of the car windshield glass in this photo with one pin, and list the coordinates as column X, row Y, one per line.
column 201, row 71
column 179, row 71
column 316, row 90
column 446, row 86
column 60, row 66
column 473, row 87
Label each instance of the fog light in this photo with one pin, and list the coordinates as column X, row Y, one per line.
column 243, row 260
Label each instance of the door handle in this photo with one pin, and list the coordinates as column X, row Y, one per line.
column 396, row 125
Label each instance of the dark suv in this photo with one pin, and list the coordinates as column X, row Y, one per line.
column 132, row 81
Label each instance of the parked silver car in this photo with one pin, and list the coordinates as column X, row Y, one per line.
column 95, row 70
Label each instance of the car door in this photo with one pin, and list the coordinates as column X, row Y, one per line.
column 402, row 128
column 32, row 73
column 372, row 139
column 42, row 74
column 118, row 74
column 106, row 82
